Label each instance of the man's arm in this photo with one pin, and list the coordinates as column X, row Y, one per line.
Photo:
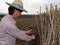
column 15, row 32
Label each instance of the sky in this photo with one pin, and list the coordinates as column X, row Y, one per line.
column 32, row 6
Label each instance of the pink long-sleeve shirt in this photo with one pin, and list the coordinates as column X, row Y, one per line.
column 9, row 31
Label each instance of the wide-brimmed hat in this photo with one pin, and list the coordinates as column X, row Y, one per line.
column 17, row 4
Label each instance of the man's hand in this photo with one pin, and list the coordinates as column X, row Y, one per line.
column 33, row 37
column 29, row 32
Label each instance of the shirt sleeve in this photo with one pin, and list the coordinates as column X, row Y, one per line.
column 15, row 32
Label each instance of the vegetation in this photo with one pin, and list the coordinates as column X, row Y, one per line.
column 46, row 26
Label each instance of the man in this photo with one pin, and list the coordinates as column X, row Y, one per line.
column 8, row 30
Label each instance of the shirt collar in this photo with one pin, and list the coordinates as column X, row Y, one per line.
column 11, row 18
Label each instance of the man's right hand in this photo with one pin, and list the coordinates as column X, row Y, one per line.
column 33, row 37
column 30, row 33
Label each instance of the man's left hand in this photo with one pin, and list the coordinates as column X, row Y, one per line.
column 29, row 32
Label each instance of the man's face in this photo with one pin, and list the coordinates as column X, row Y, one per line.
column 17, row 14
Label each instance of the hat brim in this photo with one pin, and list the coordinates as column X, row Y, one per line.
column 16, row 7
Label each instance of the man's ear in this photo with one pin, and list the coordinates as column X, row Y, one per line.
column 14, row 9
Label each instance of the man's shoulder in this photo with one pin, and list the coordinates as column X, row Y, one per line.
column 4, row 17
column 6, row 20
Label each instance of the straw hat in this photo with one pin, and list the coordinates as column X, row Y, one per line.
column 17, row 4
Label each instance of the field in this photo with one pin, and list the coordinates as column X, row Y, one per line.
column 24, row 23
column 46, row 26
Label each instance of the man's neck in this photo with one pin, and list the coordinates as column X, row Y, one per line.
column 13, row 16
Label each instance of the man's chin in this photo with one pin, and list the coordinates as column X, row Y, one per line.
column 17, row 17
